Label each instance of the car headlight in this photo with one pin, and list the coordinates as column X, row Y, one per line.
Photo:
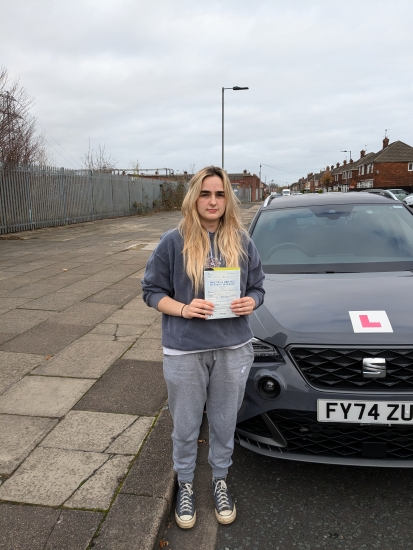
column 265, row 352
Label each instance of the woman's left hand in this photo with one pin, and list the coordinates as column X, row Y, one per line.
column 243, row 306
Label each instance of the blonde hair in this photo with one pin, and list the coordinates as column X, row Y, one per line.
column 228, row 237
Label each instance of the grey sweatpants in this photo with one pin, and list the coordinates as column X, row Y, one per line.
column 217, row 378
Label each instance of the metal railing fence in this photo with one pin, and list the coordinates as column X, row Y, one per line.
column 39, row 196
column 243, row 193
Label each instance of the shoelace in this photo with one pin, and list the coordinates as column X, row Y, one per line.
column 221, row 492
column 185, row 503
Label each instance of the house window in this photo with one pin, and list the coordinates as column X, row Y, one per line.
column 364, row 184
column 362, row 170
column 410, row 167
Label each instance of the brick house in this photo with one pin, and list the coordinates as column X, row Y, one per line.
column 245, row 181
column 343, row 176
column 390, row 168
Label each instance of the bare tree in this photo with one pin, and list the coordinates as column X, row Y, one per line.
column 136, row 167
column 19, row 141
column 98, row 161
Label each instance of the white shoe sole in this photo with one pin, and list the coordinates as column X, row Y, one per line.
column 185, row 524
column 225, row 520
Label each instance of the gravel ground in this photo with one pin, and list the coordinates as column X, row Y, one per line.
column 283, row 505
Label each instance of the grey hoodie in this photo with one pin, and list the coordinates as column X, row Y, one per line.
column 165, row 276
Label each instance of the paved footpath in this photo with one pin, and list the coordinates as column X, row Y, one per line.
column 85, row 447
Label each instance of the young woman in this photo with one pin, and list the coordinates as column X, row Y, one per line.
column 205, row 360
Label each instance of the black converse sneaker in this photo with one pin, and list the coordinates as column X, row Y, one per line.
column 185, row 513
column 225, row 511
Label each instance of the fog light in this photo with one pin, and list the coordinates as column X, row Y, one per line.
column 269, row 387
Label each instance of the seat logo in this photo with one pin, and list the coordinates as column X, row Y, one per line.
column 374, row 368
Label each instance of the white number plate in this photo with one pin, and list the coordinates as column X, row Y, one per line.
column 364, row 412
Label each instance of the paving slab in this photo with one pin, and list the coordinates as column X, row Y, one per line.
column 26, row 527
column 85, row 314
column 85, row 358
column 35, row 290
column 74, row 530
column 130, row 441
column 89, row 268
column 118, row 331
column 112, row 275
column 20, row 320
column 154, row 331
column 127, row 387
column 105, row 337
column 116, row 296
column 66, row 278
column 152, row 473
column 86, row 287
column 132, row 317
column 43, row 396
column 11, row 303
column 47, row 338
column 13, row 366
column 133, row 523
column 88, row 431
column 137, row 304
column 14, row 282
column 52, row 301
column 18, row 437
column 145, row 349
column 6, row 337
column 97, row 492
column 50, row 476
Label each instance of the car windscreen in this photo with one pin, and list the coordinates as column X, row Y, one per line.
column 335, row 238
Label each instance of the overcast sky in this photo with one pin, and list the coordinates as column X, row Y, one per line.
column 144, row 78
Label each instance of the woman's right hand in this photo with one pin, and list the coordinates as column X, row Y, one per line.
column 198, row 308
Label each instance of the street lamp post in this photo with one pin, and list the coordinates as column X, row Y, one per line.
column 236, row 88
column 345, row 151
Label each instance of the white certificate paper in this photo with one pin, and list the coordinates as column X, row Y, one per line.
column 222, row 286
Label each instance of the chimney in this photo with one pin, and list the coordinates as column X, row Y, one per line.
column 327, row 168
column 332, row 167
column 337, row 165
column 385, row 142
column 362, row 153
column 344, row 162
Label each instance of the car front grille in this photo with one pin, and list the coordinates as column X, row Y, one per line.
column 305, row 435
column 341, row 368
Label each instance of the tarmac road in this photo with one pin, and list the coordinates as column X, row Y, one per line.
column 283, row 505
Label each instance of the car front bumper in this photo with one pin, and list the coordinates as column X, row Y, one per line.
column 286, row 426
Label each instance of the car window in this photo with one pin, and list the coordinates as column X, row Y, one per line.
column 399, row 194
column 335, row 238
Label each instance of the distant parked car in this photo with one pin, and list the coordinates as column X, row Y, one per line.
column 395, row 194
column 399, row 194
column 409, row 200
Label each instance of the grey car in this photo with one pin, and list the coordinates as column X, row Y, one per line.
column 332, row 379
